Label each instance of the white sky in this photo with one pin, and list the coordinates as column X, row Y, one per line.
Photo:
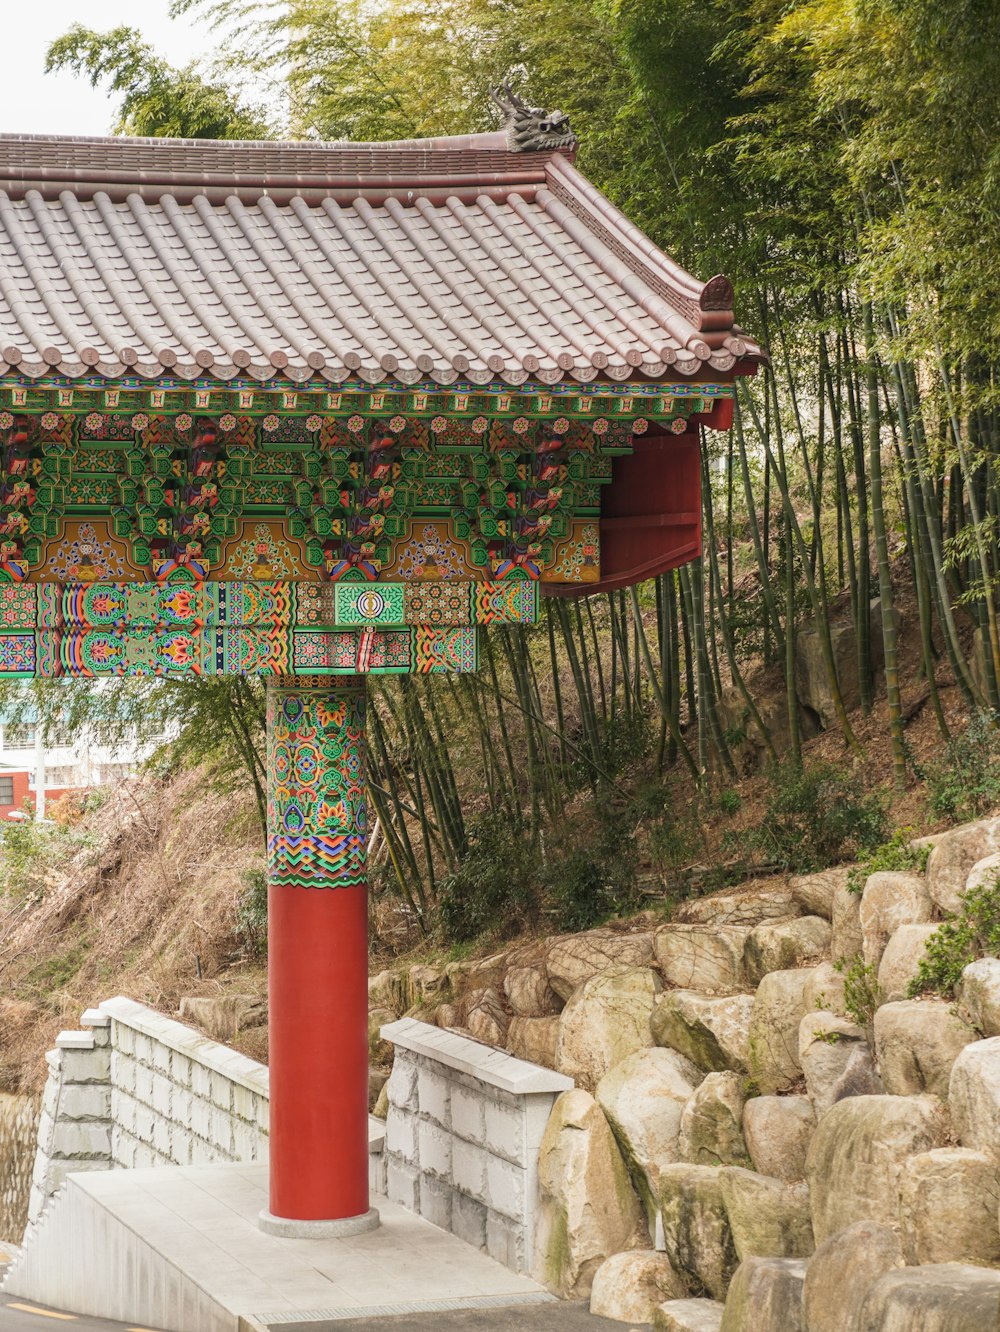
column 32, row 102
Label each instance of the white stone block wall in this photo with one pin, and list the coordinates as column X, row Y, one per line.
column 74, row 1129
column 135, row 1088
column 462, row 1137
column 178, row 1098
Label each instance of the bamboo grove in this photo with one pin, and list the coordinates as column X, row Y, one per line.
column 839, row 160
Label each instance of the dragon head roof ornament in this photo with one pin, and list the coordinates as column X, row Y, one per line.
column 530, row 129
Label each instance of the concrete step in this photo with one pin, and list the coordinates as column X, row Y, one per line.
column 179, row 1248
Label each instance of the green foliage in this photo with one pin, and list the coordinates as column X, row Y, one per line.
column 502, row 885
column 587, row 884
column 728, row 802
column 55, row 970
column 157, row 100
column 493, row 893
column 251, row 915
column 975, row 932
column 965, row 783
column 895, row 854
column 31, row 854
column 840, row 162
column 817, row 816
column 862, row 992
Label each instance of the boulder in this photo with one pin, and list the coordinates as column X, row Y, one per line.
column 529, row 993
column 860, row 1077
column 387, row 989
column 769, row 1219
column 224, row 1016
column 688, row 1316
column 812, row 677
column 746, row 906
column 606, row 1020
column 916, row 1043
column 696, row 1232
column 985, row 871
column 948, row 1207
column 954, row 857
column 842, row 1271
column 713, row 1033
column 574, row 959
column 380, row 1110
column 447, row 1016
column 942, row 1297
column 628, row 1287
column 856, row 1155
column 379, row 1051
column 777, row 1131
column 891, row 898
column 825, row 989
column 778, row 1009
column 477, row 973
column 814, row 892
column 643, row 1098
column 765, row 1296
column 485, row 1017
column 901, row 960
column 974, row 1096
column 534, row 1039
column 846, row 939
column 587, row 1208
column 708, row 958
column 783, row 944
column 979, row 995
column 826, row 1043
column 425, row 985
column 710, row 1131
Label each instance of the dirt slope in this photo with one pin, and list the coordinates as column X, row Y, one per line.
column 141, row 907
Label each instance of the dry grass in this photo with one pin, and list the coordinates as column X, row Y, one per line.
column 18, row 1130
column 147, row 909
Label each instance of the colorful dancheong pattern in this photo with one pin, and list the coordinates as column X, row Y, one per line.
column 243, row 628
column 316, row 815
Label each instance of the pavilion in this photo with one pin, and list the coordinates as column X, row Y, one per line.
column 316, row 411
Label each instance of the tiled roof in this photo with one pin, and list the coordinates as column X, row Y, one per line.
column 427, row 259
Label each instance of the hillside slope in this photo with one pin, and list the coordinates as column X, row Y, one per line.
column 144, row 903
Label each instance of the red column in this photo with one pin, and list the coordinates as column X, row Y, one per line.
column 317, row 958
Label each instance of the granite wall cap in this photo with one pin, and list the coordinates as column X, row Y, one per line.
column 494, row 1067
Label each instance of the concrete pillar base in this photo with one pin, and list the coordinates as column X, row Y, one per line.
column 338, row 1229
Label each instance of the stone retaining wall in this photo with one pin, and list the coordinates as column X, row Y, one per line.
column 463, row 1131
column 135, row 1088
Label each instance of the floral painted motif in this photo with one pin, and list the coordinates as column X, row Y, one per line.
column 317, row 818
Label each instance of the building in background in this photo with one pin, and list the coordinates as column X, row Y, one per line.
column 58, row 762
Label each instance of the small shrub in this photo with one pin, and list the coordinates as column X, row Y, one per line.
column 817, row 816
column 974, row 933
column 728, row 802
column 965, row 782
column 591, row 883
column 862, row 992
column 673, row 837
column 251, row 914
column 96, row 798
column 32, row 854
column 493, row 891
column 895, row 854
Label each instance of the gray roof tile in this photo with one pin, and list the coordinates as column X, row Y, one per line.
column 423, row 259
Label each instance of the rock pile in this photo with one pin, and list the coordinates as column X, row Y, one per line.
column 741, row 1152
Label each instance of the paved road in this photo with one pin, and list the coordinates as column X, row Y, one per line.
column 25, row 1316
column 528, row 1318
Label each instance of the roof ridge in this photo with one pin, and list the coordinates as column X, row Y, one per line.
column 487, row 140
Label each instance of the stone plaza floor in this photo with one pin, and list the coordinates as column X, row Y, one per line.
column 179, row 1247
